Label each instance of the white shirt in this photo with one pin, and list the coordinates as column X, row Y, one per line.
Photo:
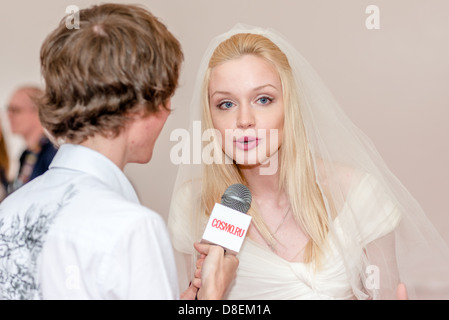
column 79, row 232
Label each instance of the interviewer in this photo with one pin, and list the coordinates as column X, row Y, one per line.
column 79, row 231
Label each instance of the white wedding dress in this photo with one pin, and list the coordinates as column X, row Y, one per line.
column 262, row 274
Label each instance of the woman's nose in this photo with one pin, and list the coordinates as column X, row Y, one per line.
column 245, row 117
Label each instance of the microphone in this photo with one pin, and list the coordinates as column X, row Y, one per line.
column 228, row 223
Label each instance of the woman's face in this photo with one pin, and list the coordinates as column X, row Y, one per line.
column 246, row 105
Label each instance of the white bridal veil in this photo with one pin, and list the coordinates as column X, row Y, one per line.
column 380, row 232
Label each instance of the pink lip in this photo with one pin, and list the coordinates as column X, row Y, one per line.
column 251, row 143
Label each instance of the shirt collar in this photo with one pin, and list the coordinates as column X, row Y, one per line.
column 80, row 158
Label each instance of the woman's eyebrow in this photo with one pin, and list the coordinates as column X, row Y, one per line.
column 254, row 89
column 264, row 86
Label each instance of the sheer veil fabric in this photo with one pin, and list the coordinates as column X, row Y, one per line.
column 379, row 237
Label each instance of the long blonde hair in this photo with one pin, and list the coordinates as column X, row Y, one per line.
column 297, row 174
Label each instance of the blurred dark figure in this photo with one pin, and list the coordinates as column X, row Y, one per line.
column 4, row 166
column 24, row 120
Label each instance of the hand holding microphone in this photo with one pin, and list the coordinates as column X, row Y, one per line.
column 215, row 271
column 224, row 233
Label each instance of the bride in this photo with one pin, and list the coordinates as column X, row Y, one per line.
column 329, row 220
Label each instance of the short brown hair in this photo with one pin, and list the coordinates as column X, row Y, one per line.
column 121, row 60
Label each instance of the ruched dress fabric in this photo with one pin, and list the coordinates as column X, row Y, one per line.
column 263, row 275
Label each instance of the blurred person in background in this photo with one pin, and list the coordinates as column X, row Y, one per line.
column 24, row 120
column 4, row 166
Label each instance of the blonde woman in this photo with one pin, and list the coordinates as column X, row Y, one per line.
column 329, row 220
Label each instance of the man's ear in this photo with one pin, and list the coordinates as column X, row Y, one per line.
column 163, row 109
column 165, row 106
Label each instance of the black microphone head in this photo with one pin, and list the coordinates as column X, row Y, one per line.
column 237, row 197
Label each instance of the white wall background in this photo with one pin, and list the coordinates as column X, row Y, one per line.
column 393, row 82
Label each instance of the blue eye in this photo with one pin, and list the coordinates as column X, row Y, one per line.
column 265, row 100
column 226, row 105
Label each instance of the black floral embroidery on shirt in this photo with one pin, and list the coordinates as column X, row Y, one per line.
column 22, row 237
